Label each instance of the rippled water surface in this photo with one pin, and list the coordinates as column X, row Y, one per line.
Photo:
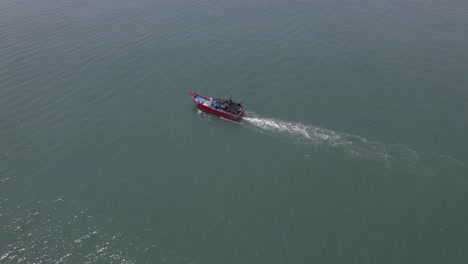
column 353, row 149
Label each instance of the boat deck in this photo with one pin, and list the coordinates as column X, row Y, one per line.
column 219, row 104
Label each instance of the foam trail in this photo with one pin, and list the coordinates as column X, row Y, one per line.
column 351, row 144
column 306, row 131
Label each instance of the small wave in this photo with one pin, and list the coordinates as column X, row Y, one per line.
column 208, row 117
column 454, row 160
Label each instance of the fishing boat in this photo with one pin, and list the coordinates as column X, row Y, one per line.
column 220, row 107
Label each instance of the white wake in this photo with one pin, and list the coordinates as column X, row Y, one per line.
column 306, row 131
column 328, row 139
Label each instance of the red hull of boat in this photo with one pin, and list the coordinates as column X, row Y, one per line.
column 213, row 111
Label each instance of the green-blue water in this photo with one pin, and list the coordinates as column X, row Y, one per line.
column 354, row 148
